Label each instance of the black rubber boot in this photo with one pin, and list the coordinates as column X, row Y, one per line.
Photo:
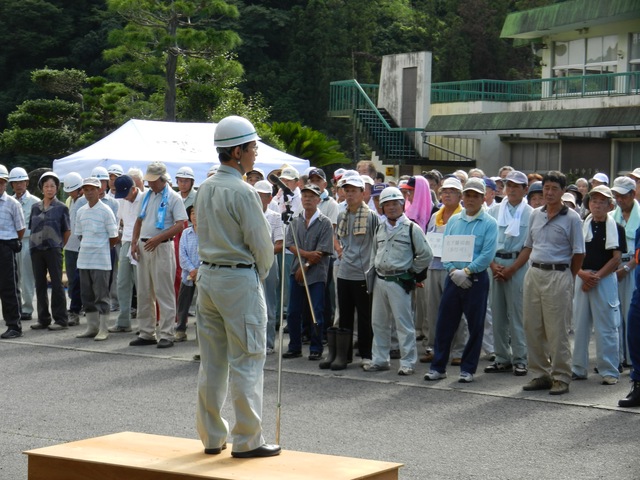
column 344, row 339
column 633, row 399
column 331, row 344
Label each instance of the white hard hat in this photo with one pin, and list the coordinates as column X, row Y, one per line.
column 100, row 173
column 263, row 186
column 72, row 181
column 185, row 172
column 4, row 173
column 233, row 131
column 115, row 169
column 46, row 175
column 212, row 170
column 391, row 193
column 18, row 174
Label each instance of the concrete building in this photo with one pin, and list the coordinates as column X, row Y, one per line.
column 582, row 116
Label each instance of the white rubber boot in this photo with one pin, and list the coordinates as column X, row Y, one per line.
column 92, row 326
column 103, row 333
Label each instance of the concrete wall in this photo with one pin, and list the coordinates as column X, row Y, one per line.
column 390, row 93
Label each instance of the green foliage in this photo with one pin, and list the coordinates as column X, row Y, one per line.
column 45, row 113
column 65, row 83
column 310, row 144
column 41, row 141
column 162, row 38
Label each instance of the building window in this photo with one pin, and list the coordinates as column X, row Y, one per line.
column 627, row 156
column 531, row 157
column 634, row 60
column 590, row 56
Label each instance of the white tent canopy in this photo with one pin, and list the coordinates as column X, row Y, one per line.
column 140, row 142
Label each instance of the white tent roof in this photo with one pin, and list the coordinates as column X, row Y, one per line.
column 139, row 142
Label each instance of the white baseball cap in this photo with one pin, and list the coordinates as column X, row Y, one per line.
column 263, row 186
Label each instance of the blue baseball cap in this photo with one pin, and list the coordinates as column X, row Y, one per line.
column 123, row 186
column 377, row 189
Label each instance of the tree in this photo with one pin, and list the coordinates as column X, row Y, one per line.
column 163, row 38
column 309, row 144
column 58, row 33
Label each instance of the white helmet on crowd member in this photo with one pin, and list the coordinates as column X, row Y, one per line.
column 233, row 131
column 46, row 175
column 100, row 173
column 18, row 174
column 185, row 172
column 391, row 193
column 212, row 171
column 4, row 173
column 72, row 181
column 116, row 170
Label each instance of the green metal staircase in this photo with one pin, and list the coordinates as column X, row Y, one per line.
column 391, row 143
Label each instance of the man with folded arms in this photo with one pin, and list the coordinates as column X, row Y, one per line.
column 555, row 246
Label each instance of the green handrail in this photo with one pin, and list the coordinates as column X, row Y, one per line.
column 605, row 84
column 347, row 95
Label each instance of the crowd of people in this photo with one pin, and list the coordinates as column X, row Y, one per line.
column 433, row 269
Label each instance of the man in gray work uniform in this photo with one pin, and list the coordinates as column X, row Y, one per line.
column 236, row 253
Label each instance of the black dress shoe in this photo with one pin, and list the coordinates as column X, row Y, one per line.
column 25, row 316
column 139, row 342
column 265, row 450
column 215, row 451
column 291, row 354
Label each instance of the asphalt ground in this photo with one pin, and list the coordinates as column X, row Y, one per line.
column 56, row 388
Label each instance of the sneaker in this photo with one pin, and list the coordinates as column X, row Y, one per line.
column 11, row 333
column 609, row 380
column 25, row 317
column 432, row 375
column 540, row 383
column 74, row 319
column 520, row 370
column 406, row 371
column 115, row 308
column 118, row 329
column 575, row 376
column 456, row 361
column 56, row 327
column 498, row 368
column 315, row 356
column 365, row 361
column 165, row 343
column 394, row 354
column 559, row 388
column 270, row 351
column 465, row 377
column 490, row 357
column 38, row 326
column 374, row 367
column 180, row 336
column 427, row 357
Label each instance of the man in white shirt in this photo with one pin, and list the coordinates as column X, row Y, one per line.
column 130, row 200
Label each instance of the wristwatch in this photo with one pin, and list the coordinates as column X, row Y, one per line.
column 467, row 271
column 307, row 264
column 626, row 268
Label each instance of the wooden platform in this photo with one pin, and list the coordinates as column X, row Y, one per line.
column 140, row 456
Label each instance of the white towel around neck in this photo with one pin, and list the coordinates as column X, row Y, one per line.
column 611, row 241
column 512, row 222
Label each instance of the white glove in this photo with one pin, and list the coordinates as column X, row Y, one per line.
column 460, row 278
